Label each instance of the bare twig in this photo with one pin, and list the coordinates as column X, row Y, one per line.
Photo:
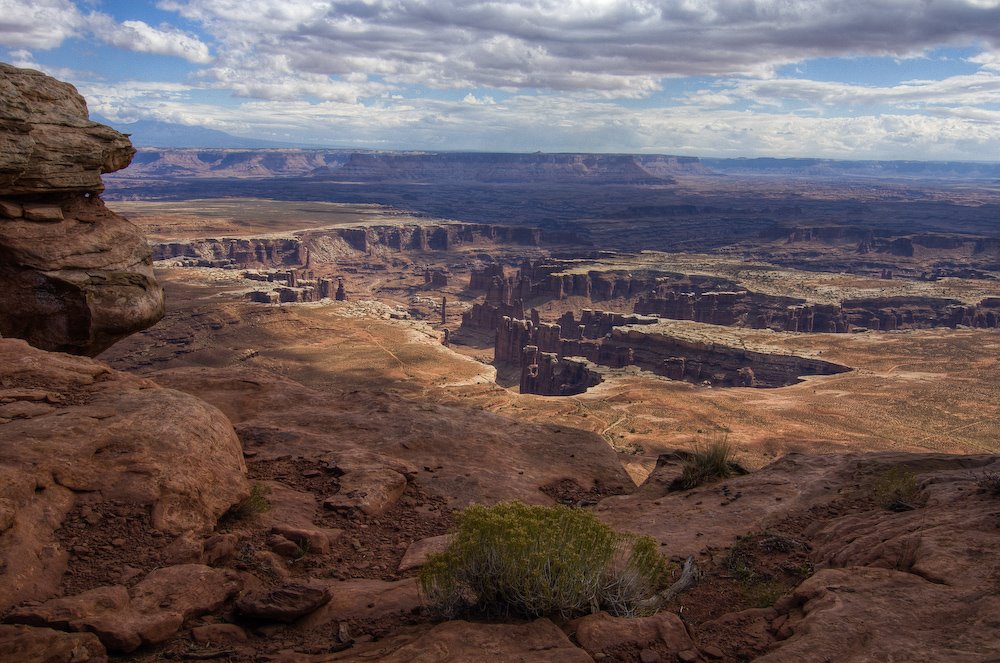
column 690, row 574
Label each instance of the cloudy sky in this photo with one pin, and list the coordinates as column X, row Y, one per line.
column 856, row 79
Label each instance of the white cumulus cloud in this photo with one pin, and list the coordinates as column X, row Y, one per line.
column 40, row 24
column 143, row 38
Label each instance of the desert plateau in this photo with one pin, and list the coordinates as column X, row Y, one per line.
column 248, row 394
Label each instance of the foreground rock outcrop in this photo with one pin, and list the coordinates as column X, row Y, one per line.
column 90, row 457
column 151, row 612
column 74, row 276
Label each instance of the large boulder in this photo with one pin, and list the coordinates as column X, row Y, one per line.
column 74, row 432
column 26, row 643
column 74, row 276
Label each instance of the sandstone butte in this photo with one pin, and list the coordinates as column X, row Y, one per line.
column 118, row 535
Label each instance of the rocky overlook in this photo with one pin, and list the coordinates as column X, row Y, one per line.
column 74, row 276
column 91, row 460
column 260, row 475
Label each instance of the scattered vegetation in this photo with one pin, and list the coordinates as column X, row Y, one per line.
column 761, row 587
column 990, row 483
column 896, row 489
column 246, row 559
column 253, row 504
column 516, row 559
column 709, row 461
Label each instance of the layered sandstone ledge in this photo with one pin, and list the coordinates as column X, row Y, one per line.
column 74, row 276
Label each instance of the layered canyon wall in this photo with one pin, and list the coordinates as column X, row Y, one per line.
column 327, row 245
column 712, row 300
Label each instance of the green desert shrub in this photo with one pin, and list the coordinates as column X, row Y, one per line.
column 516, row 559
column 896, row 489
column 709, row 461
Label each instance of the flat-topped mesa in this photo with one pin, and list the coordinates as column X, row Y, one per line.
column 715, row 300
column 237, row 252
column 552, row 279
column 547, row 280
column 293, row 287
column 540, row 349
column 595, row 324
column 375, row 239
column 74, row 276
column 891, row 313
column 707, row 362
column 534, row 168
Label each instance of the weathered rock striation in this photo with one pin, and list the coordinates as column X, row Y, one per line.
column 74, row 276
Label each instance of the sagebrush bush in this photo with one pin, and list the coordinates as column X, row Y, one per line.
column 990, row 483
column 516, row 559
column 709, row 460
column 256, row 502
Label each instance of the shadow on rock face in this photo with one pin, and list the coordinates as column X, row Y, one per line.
column 74, row 276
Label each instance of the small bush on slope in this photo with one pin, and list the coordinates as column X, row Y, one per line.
column 516, row 559
column 709, row 460
column 256, row 502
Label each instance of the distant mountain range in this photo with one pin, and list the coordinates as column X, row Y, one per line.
column 156, row 163
column 838, row 168
column 153, row 133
